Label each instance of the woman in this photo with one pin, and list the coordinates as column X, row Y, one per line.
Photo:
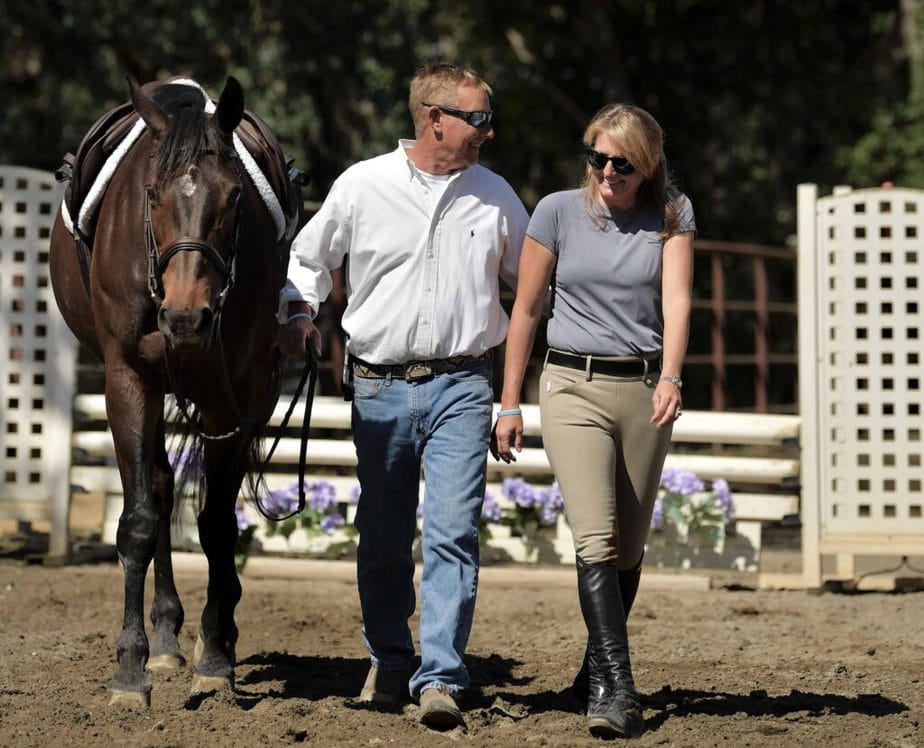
column 618, row 253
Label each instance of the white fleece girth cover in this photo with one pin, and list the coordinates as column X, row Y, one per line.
column 95, row 195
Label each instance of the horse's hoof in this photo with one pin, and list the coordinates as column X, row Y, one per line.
column 130, row 699
column 199, row 649
column 165, row 662
column 210, row 683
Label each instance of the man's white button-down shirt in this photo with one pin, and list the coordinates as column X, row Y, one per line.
column 423, row 269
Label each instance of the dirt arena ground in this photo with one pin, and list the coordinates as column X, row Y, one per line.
column 718, row 667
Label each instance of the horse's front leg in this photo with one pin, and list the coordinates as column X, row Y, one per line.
column 215, row 656
column 133, row 411
column 166, row 611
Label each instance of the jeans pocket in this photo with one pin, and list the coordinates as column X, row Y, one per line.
column 480, row 372
column 367, row 388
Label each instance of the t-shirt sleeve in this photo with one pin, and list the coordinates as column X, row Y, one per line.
column 545, row 221
column 687, row 218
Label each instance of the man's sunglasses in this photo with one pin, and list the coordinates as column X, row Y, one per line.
column 475, row 119
column 598, row 160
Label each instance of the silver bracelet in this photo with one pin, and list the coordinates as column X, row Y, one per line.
column 509, row 412
column 297, row 315
column 676, row 381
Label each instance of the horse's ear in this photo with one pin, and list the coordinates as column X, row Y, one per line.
column 157, row 120
column 230, row 106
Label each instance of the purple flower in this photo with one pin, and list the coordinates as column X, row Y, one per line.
column 282, row 500
column 549, row 498
column 331, row 522
column 519, row 492
column 322, row 496
column 242, row 522
column 353, row 495
column 187, row 461
column 723, row 497
column 490, row 510
column 681, row 481
column 657, row 516
column 548, row 515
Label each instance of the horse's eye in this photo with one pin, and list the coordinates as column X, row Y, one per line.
column 234, row 198
column 151, row 193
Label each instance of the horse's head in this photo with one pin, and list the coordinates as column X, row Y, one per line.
column 192, row 205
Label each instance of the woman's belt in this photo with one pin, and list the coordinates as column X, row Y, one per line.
column 638, row 367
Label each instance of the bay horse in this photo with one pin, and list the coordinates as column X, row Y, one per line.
column 178, row 293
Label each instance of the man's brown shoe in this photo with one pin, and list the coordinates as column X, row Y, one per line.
column 385, row 687
column 438, row 710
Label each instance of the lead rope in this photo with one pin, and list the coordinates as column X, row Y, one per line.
column 309, row 375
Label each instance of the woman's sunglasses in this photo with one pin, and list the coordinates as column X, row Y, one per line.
column 598, row 160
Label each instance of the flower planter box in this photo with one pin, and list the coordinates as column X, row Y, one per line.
column 734, row 552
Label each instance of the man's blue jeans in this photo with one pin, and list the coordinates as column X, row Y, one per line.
column 441, row 423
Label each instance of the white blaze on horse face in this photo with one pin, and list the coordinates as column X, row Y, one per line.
column 188, row 184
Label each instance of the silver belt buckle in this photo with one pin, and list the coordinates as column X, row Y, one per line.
column 417, row 370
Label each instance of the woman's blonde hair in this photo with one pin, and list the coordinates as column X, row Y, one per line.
column 643, row 144
column 437, row 83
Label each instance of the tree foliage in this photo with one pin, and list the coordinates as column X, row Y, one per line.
column 754, row 97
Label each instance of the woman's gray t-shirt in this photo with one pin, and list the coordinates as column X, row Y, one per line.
column 607, row 283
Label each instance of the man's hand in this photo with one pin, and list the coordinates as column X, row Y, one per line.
column 293, row 338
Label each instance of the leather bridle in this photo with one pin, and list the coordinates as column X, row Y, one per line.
column 158, row 261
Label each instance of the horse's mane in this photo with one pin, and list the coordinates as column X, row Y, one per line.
column 192, row 133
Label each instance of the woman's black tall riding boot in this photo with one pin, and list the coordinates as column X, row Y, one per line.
column 628, row 587
column 613, row 708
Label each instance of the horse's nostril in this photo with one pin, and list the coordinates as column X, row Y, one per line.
column 189, row 329
column 204, row 326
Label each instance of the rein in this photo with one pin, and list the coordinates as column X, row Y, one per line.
column 310, row 375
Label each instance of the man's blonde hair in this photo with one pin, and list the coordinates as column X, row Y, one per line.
column 437, row 83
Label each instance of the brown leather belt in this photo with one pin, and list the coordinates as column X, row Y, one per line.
column 413, row 370
column 636, row 368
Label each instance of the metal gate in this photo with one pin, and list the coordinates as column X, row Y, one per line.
column 861, row 380
column 38, row 360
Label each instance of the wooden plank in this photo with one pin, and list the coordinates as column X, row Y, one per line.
column 884, row 544
column 26, row 511
column 695, row 426
column 531, row 461
column 763, row 506
column 737, row 469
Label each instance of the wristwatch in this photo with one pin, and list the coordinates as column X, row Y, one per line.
column 676, row 381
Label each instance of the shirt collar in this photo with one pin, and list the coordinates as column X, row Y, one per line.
column 403, row 145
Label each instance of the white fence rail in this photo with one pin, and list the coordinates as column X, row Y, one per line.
column 757, row 454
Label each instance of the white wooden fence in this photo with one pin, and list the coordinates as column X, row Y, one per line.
column 757, row 454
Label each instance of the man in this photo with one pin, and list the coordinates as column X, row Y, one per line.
column 428, row 232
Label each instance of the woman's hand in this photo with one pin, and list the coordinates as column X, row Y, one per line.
column 506, row 436
column 666, row 403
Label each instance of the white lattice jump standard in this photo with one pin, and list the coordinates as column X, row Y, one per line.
column 37, row 360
